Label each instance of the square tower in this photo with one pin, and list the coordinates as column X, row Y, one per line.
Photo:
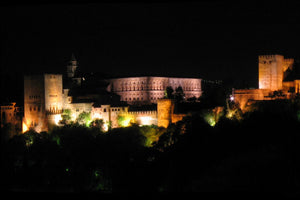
column 270, row 72
column 42, row 100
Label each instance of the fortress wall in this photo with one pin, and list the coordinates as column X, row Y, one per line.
column 243, row 96
column 177, row 117
column 288, row 63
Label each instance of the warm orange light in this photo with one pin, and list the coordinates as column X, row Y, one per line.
column 24, row 127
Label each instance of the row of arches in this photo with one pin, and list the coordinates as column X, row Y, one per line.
column 155, row 84
column 140, row 88
column 153, row 87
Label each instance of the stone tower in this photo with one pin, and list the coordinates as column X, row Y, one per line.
column 72, row 66
column 43, row 101
column 270, row 72
column 165, row 108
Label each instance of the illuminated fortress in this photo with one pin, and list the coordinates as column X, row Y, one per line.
column 274, row 81
column 45, row 99
column 42, row 100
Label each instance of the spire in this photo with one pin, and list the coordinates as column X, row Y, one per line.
column 72, row 66
column 73, row 57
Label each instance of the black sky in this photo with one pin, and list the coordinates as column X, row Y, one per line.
column 207, row 39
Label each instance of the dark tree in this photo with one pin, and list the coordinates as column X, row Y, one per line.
column 169, row 92
column 179, row 94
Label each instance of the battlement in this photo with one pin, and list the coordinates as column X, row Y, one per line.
column 270, row 57
column 288, row 63
column 289, row 60
column 143, row 113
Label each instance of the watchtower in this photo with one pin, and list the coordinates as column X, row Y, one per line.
column 270, row 72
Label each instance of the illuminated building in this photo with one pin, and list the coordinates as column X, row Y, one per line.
column 274, row 77
column 271, row 69
column 108, row 113
column 11, row 114
column 163, row 115
column 45, row 99
column 145, row 90
column 42, row 100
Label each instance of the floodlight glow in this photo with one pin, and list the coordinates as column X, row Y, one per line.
column 105, row 127
column 74, row 117
column 24, row 127
column 57, row 118
column 146, row 120
column 125, row 121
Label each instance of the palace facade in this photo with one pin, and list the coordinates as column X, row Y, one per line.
column 146, row 90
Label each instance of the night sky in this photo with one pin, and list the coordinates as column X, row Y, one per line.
column 206, row 39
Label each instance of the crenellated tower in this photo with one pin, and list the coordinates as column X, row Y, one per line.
column 43, row 101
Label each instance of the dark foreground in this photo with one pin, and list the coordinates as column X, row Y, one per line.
column 255, row 152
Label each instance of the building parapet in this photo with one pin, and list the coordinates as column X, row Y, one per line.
column 152, row 112
column 54, row 112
